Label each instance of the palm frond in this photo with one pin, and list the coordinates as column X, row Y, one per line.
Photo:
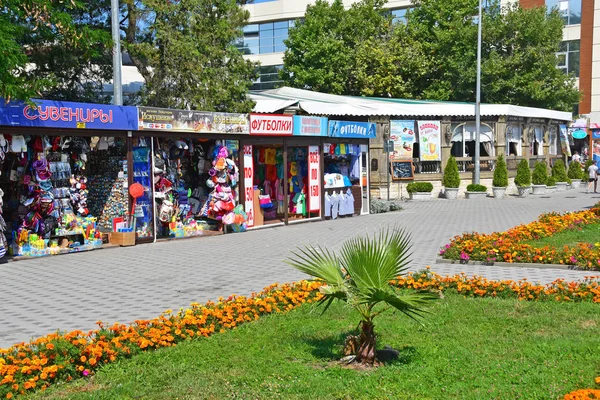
column 318, row 262
column 409, row 304
column 331, row 293
column 373, row 262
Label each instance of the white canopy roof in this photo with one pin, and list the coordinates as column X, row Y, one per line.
column 271, row 101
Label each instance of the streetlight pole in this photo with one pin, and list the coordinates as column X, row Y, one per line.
column 116, row 37
column 478, row 100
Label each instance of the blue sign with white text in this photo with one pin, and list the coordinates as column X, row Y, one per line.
column 66, row 114
column 310, row 126
column 596, row 134
column 352, row 130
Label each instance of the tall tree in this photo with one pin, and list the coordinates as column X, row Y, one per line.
column 186, row 54
column 48, row 49
column 432, row 55
column 518, row 54
column 322, row 48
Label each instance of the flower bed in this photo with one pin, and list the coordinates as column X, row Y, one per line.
column 64, row 357
column 509, row 247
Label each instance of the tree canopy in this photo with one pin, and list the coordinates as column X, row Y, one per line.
column 186, row 53
column 431, row 55
column 53, row 49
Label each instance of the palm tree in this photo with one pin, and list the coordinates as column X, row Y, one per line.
column 360, row 275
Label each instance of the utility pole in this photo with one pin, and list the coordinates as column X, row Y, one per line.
column 478, row 100
column 117, row 87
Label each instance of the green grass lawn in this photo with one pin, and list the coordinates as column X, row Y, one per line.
column 589, row 234
column 468, row 349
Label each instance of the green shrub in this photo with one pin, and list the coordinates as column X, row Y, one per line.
column 575, row 171
column 523, row 177
column 551, row 181
column 500, row 173
column 559, row 172
column 587, row 166
column 540, row 173
column 414, row 187
column 451, row 176
column 473, row 187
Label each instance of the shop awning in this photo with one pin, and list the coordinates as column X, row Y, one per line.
column 327, row 104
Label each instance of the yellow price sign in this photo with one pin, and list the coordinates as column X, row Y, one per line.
column 81, row 125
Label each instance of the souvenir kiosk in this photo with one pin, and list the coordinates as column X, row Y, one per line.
column 64, row 175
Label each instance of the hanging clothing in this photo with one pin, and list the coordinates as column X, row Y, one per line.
column 354, row 167
column 327, row 211
column 349, row 206
column 335, row 205
column 270, row 156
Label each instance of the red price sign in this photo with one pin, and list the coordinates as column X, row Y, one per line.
column 248, row 184
column 314, row 190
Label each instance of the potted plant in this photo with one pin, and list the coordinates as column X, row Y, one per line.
column 451, row 180
column 500, row 181
column 539, row 177
column 419, row 190
column 523, row 178
column 559, row 173
column 475, row 191
column 575, row 173
column 551, row 184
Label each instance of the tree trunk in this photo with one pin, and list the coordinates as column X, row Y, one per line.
column 366, row 353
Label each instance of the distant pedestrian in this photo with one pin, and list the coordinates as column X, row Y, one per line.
column 576, row 157
column 592, row 177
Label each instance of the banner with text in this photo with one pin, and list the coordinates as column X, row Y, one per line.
column 314, row 172
column 402, row 133
column 429, row 140
column 164, row 119
column 249, row 185
column 67, row 114
column 310, row 126
column 271, row 125
column 564, row 139
column 352, row 130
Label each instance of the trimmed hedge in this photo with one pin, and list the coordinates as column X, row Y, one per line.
column 559, row 172
column 540, row 173
column 551, row 181
column 451, row 176
column 476, row 188
column 575, row 170
column 415, row 187
column 500, row 173
column 523, row 177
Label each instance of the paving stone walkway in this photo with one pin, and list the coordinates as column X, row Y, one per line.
column 68, row 292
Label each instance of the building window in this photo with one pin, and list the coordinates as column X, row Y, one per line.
column 514, row 133
column 569, row 10
column 399, row 15
column 568, row 57
column 463, row 140
column 265, row 38
column 268, row 78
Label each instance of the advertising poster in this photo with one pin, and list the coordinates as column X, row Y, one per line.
column 402, row 133
column 230, row 123
column 352, row 130
column 271, row 124
column 248, row 184
column 564, row 139
column 314, row 194
column 429, row 140
column 310, row 126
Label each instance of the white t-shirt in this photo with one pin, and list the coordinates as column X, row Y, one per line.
column 335, row 205
column 593, row 171
column 576, row 157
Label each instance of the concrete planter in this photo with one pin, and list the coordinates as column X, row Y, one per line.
column 524, row 191
column 499, row 192
column 420, row 196
column 538, row 189
column 561, row 186
column 475, row 195
column 575, row 183
column 451, row 193
column 550, row 189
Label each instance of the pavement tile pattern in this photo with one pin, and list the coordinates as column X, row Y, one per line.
column 67, row 292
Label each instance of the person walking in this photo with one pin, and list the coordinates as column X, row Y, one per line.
column 576, row 157
column 592, row 176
